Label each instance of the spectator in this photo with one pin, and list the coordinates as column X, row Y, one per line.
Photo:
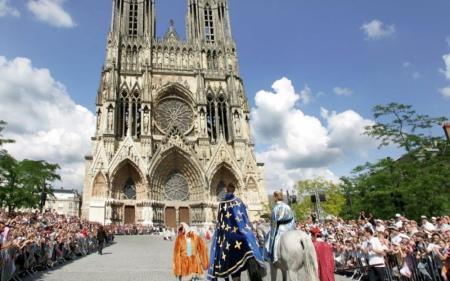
column 374, row 249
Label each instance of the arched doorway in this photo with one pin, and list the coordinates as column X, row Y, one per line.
column 127, row 188
column 223, row 177
column 127, row 183
column 176, row 182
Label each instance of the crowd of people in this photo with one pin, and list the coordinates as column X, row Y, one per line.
column 398, row 249
column 402, row 249
column 31, row 242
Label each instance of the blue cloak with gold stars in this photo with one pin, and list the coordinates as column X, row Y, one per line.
column 233, row 242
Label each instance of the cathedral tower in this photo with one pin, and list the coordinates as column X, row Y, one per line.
column 172, row 121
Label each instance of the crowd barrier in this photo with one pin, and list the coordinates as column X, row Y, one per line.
column 412, row 267
column 16, row 263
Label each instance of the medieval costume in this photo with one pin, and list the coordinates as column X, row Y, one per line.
column 234, row 242
column 325, row 257
column 190, row 254
column 282, row 221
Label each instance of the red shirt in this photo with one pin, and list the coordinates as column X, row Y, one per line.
column 325, row 260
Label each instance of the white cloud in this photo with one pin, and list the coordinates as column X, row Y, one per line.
column 341, row 91
column 7, row 10
column 45, row 122
column 445, row 92
column 446, row 71
column 377, row 29
column 300, row 146
column 305, row 95
column 51, row 12
column 411, row 70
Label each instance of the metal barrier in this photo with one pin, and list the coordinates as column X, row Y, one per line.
column 412, row 267
column 16, row 263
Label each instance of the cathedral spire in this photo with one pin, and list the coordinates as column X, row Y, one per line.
column 133, row 18
column 208, row 21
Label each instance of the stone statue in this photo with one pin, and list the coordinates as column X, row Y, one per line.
column 147, row 215
column 237, row 124
column 99, row 117
column 146, row 122
column 110, row 119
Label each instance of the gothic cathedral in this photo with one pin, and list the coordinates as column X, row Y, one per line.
column 172, row 121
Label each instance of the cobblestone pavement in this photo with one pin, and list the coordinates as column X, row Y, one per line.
column 133, row 258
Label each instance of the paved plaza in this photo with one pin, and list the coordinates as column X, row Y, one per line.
column 133, row 258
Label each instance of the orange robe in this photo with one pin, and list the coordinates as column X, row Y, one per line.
column 197, row 263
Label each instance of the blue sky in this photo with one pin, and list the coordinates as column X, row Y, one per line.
column 320, row 44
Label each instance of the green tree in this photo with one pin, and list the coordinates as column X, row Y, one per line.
column 417, row 183
column 38, row 175
column 2, row 140
column 25, row 184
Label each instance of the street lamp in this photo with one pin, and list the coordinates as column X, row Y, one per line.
column 446, row 127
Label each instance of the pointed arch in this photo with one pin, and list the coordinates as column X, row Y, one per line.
column 99, row 186
column 177, row 89
column 128, row 182
column 222, row 176
column 176, row 163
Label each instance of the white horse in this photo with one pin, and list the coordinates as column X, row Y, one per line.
column 296, row 251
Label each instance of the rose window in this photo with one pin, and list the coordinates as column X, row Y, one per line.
column 176, row 188
column 174, row 113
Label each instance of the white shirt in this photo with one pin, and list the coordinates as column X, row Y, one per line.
column 428, row 226
column 376, row 245
column 397, row 239
column 380, row 228
column 398, row 224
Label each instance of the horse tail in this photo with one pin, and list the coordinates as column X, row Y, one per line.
column 255, row 270
column 309, row 258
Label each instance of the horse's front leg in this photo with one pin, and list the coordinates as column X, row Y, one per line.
column 284, row 273
column 273, row 272
column 293, row 275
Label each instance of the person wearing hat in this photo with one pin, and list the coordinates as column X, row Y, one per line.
column 428, row 226
column 325, row 256
column 395, row 234
column 190, row 254
column 398, row 221
column 379, row 227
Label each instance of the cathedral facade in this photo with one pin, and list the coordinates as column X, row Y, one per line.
column 172, row 121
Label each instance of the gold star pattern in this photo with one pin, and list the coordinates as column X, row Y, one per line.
column 223, row 225
column 224, row 256
column 239, row 212
column 228, row 246
column 227, row 228
column 235, row 229
column 237, row 245
column 248, row 227
column 238, row 219
column 228, row 215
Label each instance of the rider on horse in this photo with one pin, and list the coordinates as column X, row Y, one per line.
column 282, row 221
column 234, row 248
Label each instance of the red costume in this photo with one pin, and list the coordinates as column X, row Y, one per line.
column 325, row 257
